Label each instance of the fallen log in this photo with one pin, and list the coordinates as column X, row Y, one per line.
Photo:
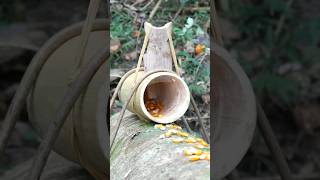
column 140, row 153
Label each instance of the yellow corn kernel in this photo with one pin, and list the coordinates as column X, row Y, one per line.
column 199, row 146
column 207, row 157
column 196, row 151
column 177, row 127
column 177, row 140
column 173, row 131
column 190, row 140
column 187, row 152
column 183, row 134
column 168, row 134
column 202, row 156
column 170, row 126
column 158, row 126
column 194, row 158
column 202, row 142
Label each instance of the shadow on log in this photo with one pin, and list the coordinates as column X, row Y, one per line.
column 139, row 153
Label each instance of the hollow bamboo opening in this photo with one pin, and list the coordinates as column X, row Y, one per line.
column 165, row 98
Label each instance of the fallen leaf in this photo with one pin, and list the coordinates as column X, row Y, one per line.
column 206, row 98
column 130, row 56
column 135, row 34
column 114, row 45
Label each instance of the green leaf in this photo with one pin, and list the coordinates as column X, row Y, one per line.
column 199, row 31
column 195, row 89
column 189, row 23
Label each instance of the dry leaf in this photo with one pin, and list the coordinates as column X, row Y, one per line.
column 130, row 56
column 206, row 98
column 114, row 45
column 135, row 34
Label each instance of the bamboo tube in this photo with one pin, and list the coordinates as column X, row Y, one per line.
column 170, row 92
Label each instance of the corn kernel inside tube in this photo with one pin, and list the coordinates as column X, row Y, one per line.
column 153, row 106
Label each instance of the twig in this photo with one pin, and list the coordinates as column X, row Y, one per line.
column 193, row 118
column 67, row 103
column 130, row 12
column 201, row 60
column 185, row 122
column 178, row 12
column 154, row 10
column 191, row 9
column 131, row 7
column 88, row 23
column 217, row 36
column 282, row 18
column 204, row 132
column 197, row 9
column 137, row 39
column 145, row 6
column 272, row 143
column 206, row 25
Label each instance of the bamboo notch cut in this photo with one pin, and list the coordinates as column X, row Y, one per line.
column 160, row 50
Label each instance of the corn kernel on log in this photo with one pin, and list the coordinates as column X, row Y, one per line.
column 182, row 134
column 187, row 152
column 190, row 140
column 139, row 151
column 194, row 158
column 177, row 140
column 168, row 134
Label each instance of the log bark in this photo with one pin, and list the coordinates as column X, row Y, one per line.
column 139, row 153
column 57, row 168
